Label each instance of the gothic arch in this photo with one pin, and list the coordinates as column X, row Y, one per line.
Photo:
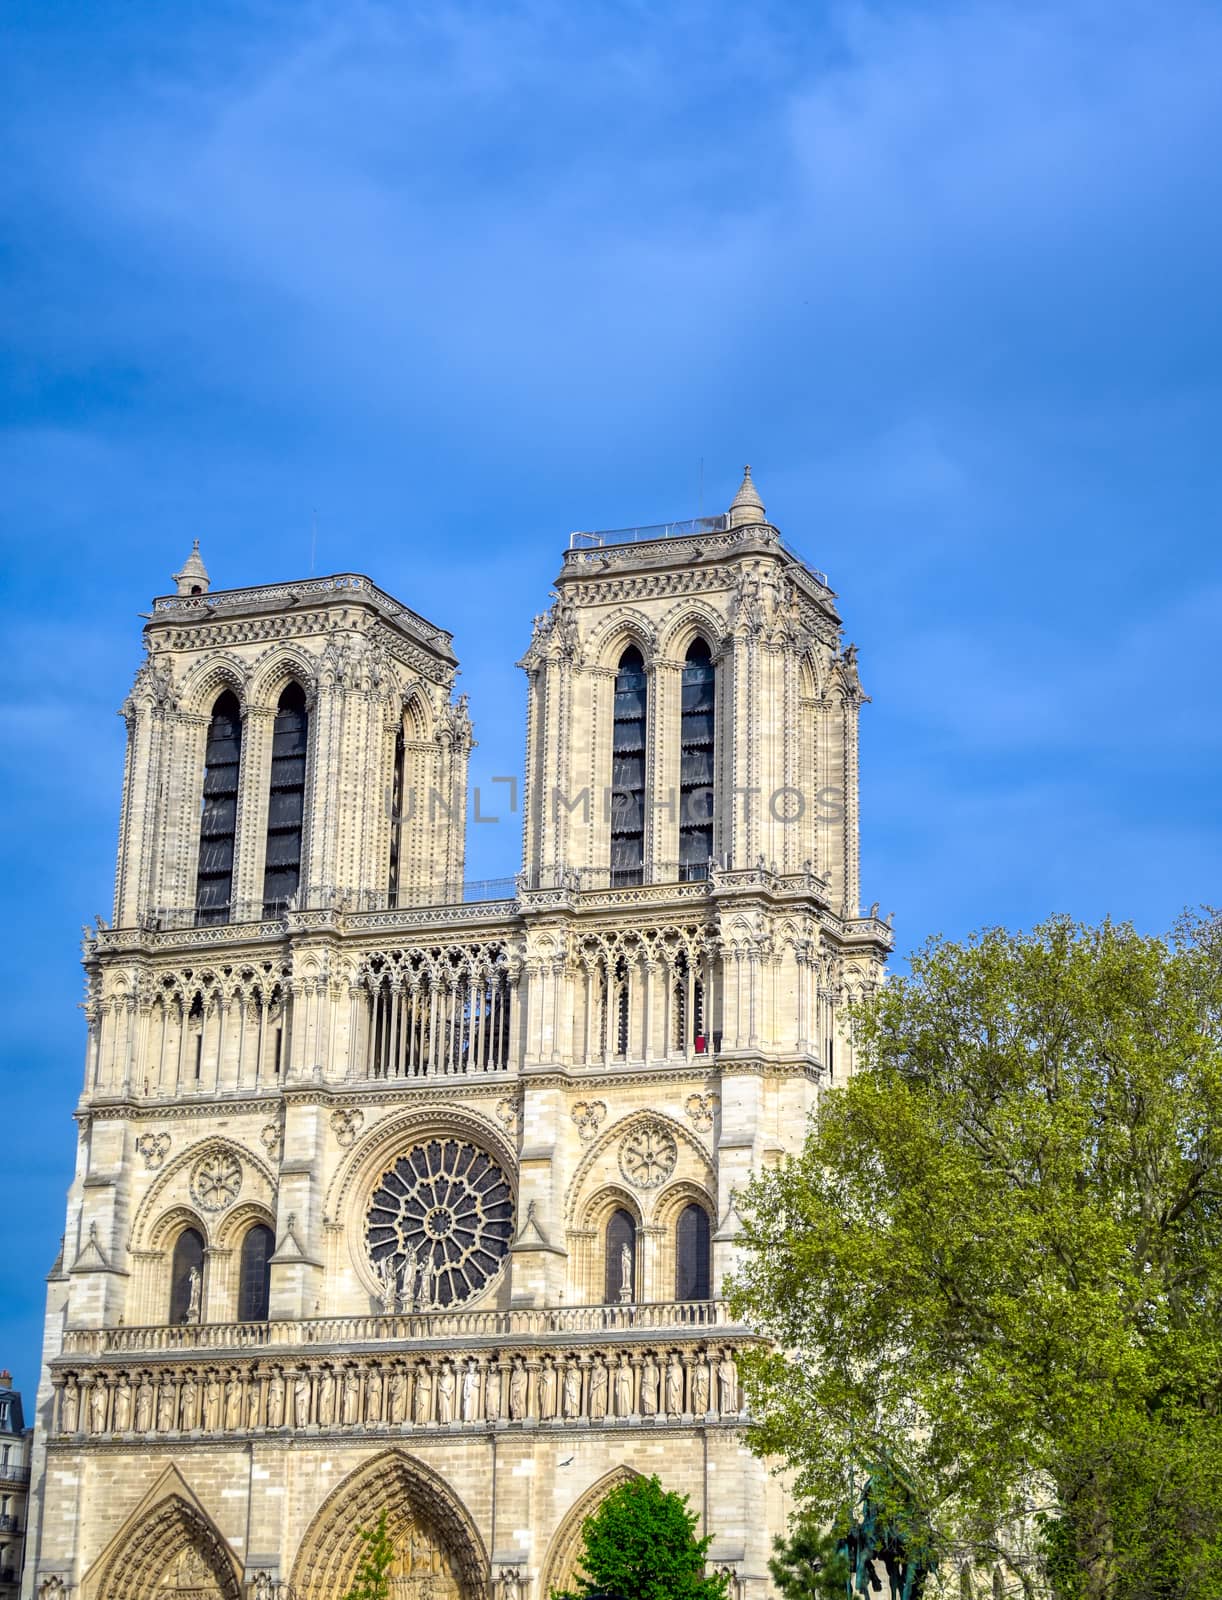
column 417, row 716
column 685, row 1140
column 204, row 683
column 690, row 619
column 564, row 1552
column 414, row 1497
column 168, row 1527
column 611, row 638
column 275, row 670
column 149, row 1212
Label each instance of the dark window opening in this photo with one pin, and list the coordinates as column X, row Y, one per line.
column 696, row 762
column 621, row 1259
column 693, row 1266
column 286, row 802
column 218, row 819
column 188, row 1259
column 628, row 771
column 396, row 819
column 255, row 1276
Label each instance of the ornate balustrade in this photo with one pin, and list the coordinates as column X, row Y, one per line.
column 416, row 1327
column 688, row 1375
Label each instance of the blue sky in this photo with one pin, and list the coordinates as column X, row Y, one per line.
column 453, row 279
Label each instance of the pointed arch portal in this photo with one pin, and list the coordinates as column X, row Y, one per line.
column 434, row 1537
column 564, row 1554
column 167, row 1551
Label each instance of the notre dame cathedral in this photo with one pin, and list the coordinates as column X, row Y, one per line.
column 391, row 1197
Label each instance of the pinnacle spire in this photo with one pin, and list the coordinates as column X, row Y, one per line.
column 193, row 579
column 746, row 505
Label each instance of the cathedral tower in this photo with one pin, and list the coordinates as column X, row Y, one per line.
column 390, row 1199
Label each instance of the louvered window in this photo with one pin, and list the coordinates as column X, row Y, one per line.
column 696, row 762
column 254, row 1286
column 286, row 802
column 628, row 771
column 218, row 820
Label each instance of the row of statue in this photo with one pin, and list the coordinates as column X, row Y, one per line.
column 638, row 1384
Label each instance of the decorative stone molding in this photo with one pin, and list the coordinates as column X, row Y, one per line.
column 589, row 1115
column 701, row 1109
column 346, row 1125
column 648, row 1155
column 216, row 1181
column 153, row 1147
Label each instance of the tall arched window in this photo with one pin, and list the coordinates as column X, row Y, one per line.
column 396, row 818
column 628, row 771
column 219, row 818
column 696, row 762
column 286, row 803
column 621, row 1259
column 186, row 1291
column 693, row 1266
column 255, row 1276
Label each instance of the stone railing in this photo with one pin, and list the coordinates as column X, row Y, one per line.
column 680, row 1379
column 400, row 1328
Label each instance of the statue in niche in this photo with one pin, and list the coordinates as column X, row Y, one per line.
column 71, row 1406
column 122, row 1420
column 263, row 1586
column 674, row 1385
column 301, row 1398
column 350, row 1413
column 517, row 1390
column 727, row 1385
column 389, row 1283
column 571, row 1392
column 469, row 1401
column 396, row 1396
column 326, row 1399
column 623, row 1388
column 188, row 1403
column 649, row 1387
column 165, row 1404
column 97, row 1406
column 625, row 1272
column 407, row 1278
column 144, row 1405
column 233, row 1403
column 492, row 1393
column 424, row 1394
column 275, row 1400
column 194, row 1295
column 253, row 1399
column 212, row 1402
column 700, row 1388
column 445, row 1393
column 547, row 1390
column 511, row 1586
column 373, row 1395
column 598, row 1389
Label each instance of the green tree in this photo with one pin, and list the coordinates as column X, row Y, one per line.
column 998, row 1261
column 641, row 1544
column 811, row 1563
column 372, row 1580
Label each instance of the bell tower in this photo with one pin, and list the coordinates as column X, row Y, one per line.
column 691, row 703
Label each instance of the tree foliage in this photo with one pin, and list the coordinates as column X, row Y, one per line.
column 811, row 1564
column 641, row 1544
column 372, row 1580
column 998, row 1261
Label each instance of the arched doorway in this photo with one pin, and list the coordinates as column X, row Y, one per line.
column 564, row 1553
column 438, row 1551
column 168, row 1549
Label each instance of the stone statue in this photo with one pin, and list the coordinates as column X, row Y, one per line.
column 517, row 1390
column 649, row 1387
column 71, row 1406
column 233, row 1403
column 275, row 1400
column 188, row 1403
column 407, row 1278
column 165, row 1404
column 700, row 1388
column 571, row 1393
column 144, row 1405
column 212, row 1402
column 373, row 1395
column 510, row 1583
column 547, row 1390
column 263, row 1586
column 123, row 1405
column 350, row 1414
column 396, row 1396
column 470, row 1392
column 253, row 1399
column 326, row 1399
column 445, row 1393
column 598, row 1389
column 388, row 1280
column 194, row 1295
column 727, row 1385
column 492, row 1393
column 674, row 1386
column 625, row 1272
column 424, row 1394
column 301, row 1398
column 97, row 1406
column 623, row 1388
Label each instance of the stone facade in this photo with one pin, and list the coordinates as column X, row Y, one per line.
column 387, row 1197
column 15, row 1442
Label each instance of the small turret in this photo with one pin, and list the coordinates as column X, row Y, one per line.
column 746, row 506
column 193, row 579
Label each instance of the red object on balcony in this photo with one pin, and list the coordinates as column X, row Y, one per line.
column 701, row 1046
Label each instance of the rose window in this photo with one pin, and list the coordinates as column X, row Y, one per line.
column 216, row 1181
column 439, row 1225
column 647, row 1157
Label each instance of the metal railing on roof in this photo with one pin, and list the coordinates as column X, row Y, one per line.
column 656, row 530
